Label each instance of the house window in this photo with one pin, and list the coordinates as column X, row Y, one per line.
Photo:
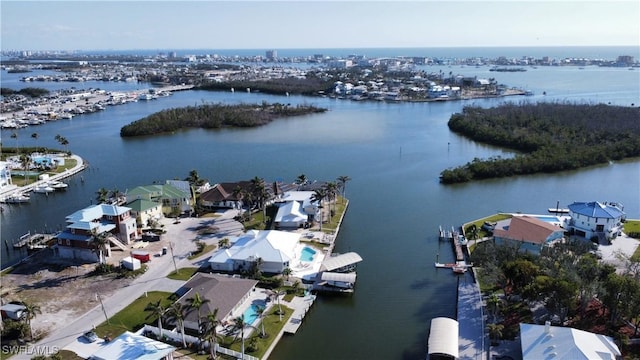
column 68, row 242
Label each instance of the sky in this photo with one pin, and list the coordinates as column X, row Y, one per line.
column 143, row 24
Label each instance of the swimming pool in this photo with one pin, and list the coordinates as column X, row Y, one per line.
column 251, row 314
column 307, row 254
column 549, row 219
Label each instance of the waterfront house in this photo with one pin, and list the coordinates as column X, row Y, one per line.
column 555, row 342
column 595, row 219
column 76, row 240
column 145, row 211
column 276, row 249
column 129, row 346
column 527, row 232
column 227, row 195
column 5, row 175
column 174, row 200
column 295, row 209
column 225, row 293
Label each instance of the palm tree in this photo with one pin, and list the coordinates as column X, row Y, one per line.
column 331, row 189
column 259, row 192
column 31, row 310
column 319, row 195
column 223, row 243
column 156, row 310
column 301, row 180
column 176, row 313
column 102, row 195
column 25, row 161
column 194, row 178
column 260, row 311
column 62, row 141
column 287, row 272
column 196, row 302
column 342, row 182
column 277, row 293
column 495, row 331
column 209, row 330
column 240, row 324
column 99, row 242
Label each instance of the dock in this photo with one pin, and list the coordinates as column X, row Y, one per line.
column 457, row 242
column 33, row 241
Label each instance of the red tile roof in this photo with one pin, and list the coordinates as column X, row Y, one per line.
column 527, row 229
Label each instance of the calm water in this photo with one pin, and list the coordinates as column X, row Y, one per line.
column 394, row 154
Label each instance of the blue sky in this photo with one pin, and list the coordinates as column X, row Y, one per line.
column 117, row 25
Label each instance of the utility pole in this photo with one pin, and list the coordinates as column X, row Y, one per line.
column 173, row 257
column 103, row 309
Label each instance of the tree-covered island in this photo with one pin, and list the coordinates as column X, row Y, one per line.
column 214, row 116
column 550, row 137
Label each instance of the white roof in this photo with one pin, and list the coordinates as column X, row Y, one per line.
column 290, row 212
column 133, row 346
column 443, row 337
column 331, row 276
column 336, row 262
column 564, row 343
column 269, row 245
column 297, row 195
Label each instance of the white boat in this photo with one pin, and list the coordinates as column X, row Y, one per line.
column 58, row 185
column 43, row 189
column 17, row 199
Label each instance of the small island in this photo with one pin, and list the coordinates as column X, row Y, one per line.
column 214, row 116
column 550, row 137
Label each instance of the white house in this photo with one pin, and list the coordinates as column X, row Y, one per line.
column 295, row 210
column 564, row 343
column 133, row 346
column 275, row 248
column 595, row 219
column 5, row 174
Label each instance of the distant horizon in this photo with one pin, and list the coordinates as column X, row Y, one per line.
column 209, row 24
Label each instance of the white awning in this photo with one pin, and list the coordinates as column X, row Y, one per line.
column 342, row 260
column 443, row 337
column 331, row 276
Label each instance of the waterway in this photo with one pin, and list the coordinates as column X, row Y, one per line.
column 394, row 153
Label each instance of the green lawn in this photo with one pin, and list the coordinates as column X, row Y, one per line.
column 339, row 208
column 133, row 317
column 207, row 249
column 478, row 223
column 183, row 273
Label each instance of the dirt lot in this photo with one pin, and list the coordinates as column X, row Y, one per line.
column 63, row 290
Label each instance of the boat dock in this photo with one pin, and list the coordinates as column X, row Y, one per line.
column 457, row 242
column 33, row 241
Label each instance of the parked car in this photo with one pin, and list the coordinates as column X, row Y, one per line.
column 90, row 336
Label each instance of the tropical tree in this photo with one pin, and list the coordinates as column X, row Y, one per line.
column 62, row 141
column 277, row 293
column 287, row 272
column 223, row 243
column 196, row 302
column 194, row 179
column 495, row 331
column 319, row 195
column 156, row 310
column 494, row 304
column 240, row 324
column 99, row 242
column 31, row 311
column 102, row 195
column 176, row 313
column 342, row 183
column 331, row 188
column 260, row 194
column 260, row 311
column 208, row 328
column 301, row 180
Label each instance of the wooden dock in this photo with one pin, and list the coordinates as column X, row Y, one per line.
column 33, row 241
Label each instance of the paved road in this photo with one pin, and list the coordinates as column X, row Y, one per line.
column 181, row 236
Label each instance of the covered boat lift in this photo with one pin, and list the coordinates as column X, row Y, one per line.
column 443, row 339
column 341, row 263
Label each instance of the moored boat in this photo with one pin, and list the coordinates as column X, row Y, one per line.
column 58, row 185
column 43, row 189
column 16, row 199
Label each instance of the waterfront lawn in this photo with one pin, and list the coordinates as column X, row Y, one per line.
column 133, row 317
column 183, row 273
column 334, row 221
column 482, row 233
column 272, row 327
column 632, row 228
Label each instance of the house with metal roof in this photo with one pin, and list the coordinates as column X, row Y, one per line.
column 225, row 293
column 145, row 210
column 443, row 339
column 173, row 199
column 527, row 232
column 595, row 219
column 565, row 343
column 276, row 249
column 76, row 240
column 295, row 209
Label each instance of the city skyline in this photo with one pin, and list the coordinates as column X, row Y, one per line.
column 124, row 25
